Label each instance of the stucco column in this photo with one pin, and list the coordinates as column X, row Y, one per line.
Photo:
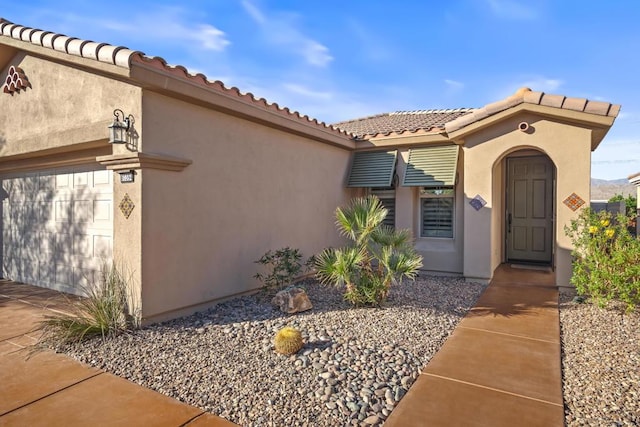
column 127, row 233
column 404, row 197
column 477, row 223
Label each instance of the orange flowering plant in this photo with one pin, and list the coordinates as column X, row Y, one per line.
column 605, row 258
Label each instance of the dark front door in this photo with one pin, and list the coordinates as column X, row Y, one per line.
column 529, row 209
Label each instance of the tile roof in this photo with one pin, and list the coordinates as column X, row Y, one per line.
column 399, row 122
column 527, row 96
column 123, row 57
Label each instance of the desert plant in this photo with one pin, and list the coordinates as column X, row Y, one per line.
column 379, row 256
column 288, row 341
column 284, row 266
column 605, row 258
column 104, row 311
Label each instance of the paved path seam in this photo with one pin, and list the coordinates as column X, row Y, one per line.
column 508, row 334
column 50, row 394
column 491, row 388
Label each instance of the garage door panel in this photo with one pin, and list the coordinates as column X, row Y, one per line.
column 63, row 210
column 84, row 278
column 102, row 246
column 80, row 179
column 102, row 209
column 47, row 242
column 63, row 181
column 103, row 179
column 82, row 211
column 57, row 227
column 83, row 246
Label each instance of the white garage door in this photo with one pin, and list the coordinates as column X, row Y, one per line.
column 57, row 226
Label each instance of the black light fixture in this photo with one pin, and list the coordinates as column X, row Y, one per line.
column 119, row 129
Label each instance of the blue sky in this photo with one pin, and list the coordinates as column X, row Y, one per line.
column 338, row 60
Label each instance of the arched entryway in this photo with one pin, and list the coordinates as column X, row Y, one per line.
column 529, row 210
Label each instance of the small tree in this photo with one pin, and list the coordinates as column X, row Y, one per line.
column 379, row 256
column 284, row 266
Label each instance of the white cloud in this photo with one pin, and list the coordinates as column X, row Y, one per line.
column 317, row 54
column 535, row 83
column 168, row 25
column 302, row 90
column 509, row 9
column 616, row 158
column 542, row 84
column 374, row 45
column 210, row 37
column 254, row 12
column 281, row 30
column 454, row 84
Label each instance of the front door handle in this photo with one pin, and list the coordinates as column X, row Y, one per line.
column 509, row 223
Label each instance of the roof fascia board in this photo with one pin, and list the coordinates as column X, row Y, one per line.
column 402, row 141
column 152, row 78
column 589, row 120
column 66, row 58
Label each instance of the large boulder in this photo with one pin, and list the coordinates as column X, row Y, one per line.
column 292, row 300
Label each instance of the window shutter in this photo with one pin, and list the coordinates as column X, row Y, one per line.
column 372, row 169
column 431, row 167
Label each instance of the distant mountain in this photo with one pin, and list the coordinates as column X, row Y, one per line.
column 602, row 189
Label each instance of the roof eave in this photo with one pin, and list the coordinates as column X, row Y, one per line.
column 598, row 123
column 402, row 140
column 64, row 57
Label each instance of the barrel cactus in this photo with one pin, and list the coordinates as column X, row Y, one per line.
column 288, row 341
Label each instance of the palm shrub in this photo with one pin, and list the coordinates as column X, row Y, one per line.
column 104, row 311
column 378, row 257
column 605, row 258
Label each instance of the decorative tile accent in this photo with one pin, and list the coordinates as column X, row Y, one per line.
column 126, row 205
column 573, row 202
column 15, row 81
column 477, row 202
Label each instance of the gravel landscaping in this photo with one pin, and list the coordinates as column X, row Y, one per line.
column 600, row 364
column 356, row 365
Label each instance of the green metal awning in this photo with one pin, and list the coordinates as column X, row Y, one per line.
column 431, row 167
column 372, row 169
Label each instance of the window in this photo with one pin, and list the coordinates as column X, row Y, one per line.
column 387, row 196
column 436, row 206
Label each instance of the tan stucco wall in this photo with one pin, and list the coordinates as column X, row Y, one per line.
column 249, row 189
column 64, row 107
column 62, row 120
column 567, row 145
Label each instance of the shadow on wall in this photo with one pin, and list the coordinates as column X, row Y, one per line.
column 44, row 221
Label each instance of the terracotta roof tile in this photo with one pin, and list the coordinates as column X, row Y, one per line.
column 526, row 95
column 425, row 121
column 124, row 57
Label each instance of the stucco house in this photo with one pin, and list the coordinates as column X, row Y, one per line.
column 106, row 153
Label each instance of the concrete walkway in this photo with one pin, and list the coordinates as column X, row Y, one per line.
column 49, row 389
column 501, row 366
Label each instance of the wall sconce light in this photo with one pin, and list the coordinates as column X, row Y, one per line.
column 119, row 129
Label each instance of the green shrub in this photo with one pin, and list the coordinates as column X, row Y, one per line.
column 104, row 311
column 284, row 266
column 379, row 256
column 605, row 258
